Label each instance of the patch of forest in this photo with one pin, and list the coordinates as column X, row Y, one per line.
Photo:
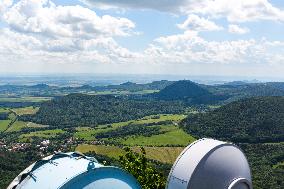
column 252, row 120
column 91, row 110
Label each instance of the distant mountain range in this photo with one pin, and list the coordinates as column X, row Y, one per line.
column 184, row 90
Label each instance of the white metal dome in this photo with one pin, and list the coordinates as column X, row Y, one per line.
column 210, row 164
column 73, row 171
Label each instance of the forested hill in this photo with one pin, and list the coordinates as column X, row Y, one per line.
column 258, row 119
column 91, row 110
column 188, row 91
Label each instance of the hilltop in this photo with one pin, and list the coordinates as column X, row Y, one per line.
column 258, row 119
column 189, row 92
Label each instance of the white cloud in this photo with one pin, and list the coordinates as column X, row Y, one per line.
column 4, row 5
column 190, row 48
column 194, row 22
column 237, row 29
column 39, row 31
column 45, row 18
column 233, row 10
column 238, row 10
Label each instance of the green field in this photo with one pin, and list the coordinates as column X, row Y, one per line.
column 174, row 137
column 47, row 134
column 25, row 99
column 279, row 164
column 110, row 151
column 25, row 110
column 19, row 125
column 3, row 110
column 4, row 125
column 88, row 134
column 162, row 154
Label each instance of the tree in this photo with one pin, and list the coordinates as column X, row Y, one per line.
column 138, row 165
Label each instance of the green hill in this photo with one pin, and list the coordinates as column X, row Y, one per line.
column 91, row 110
column 189, row 92
column 258, row 119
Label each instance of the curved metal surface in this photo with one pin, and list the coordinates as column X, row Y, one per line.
column 209, row 163
column 73, row 171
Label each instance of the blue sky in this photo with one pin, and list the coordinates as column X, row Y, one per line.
column 186, row 37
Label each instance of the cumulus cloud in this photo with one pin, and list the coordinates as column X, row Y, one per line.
column 233, row 10
column 189, row 48
column 237, row 29
column 45, row 18
column 239, row 10
column 194, row 22
column 39, row 31
column 4, row 5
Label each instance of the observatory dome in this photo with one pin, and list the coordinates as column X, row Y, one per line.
column 210, row 164
column 73, row 171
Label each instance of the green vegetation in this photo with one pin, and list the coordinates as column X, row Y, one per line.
column 4, row 110
column 135, row 132
column 166, row 155
column 47, row 134
column 142, row 170
column 12, row 163
column 25, row 99
column 190, row 92
column 110, row 151
column 161, row 154
column 4, row 125
column 259, row 119
column 132, row 117
column 88, row 110
column 20, row 125
column 265, row 161
column 177, row 137
column 25, row 110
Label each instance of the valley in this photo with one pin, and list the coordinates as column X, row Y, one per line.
column 104, row 122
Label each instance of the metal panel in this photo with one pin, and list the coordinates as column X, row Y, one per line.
column 210, row 163
column 73, row 171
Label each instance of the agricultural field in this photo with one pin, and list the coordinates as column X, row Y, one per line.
column 161, row 154
column 3, row 110
column 19, row 125
column 176, row 137
column 110, row 151
column 46, row 134
column 25, row 99
column 4, row 125
column 25, row 110
column 170, row 133
column 160, row 147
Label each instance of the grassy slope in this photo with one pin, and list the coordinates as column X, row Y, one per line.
column 25, row 99
column 19, row 125
column 25, row 110
column 173, row 135
column 162, row 154
column 110, row 151
column 42, row 134
column 4, row 125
